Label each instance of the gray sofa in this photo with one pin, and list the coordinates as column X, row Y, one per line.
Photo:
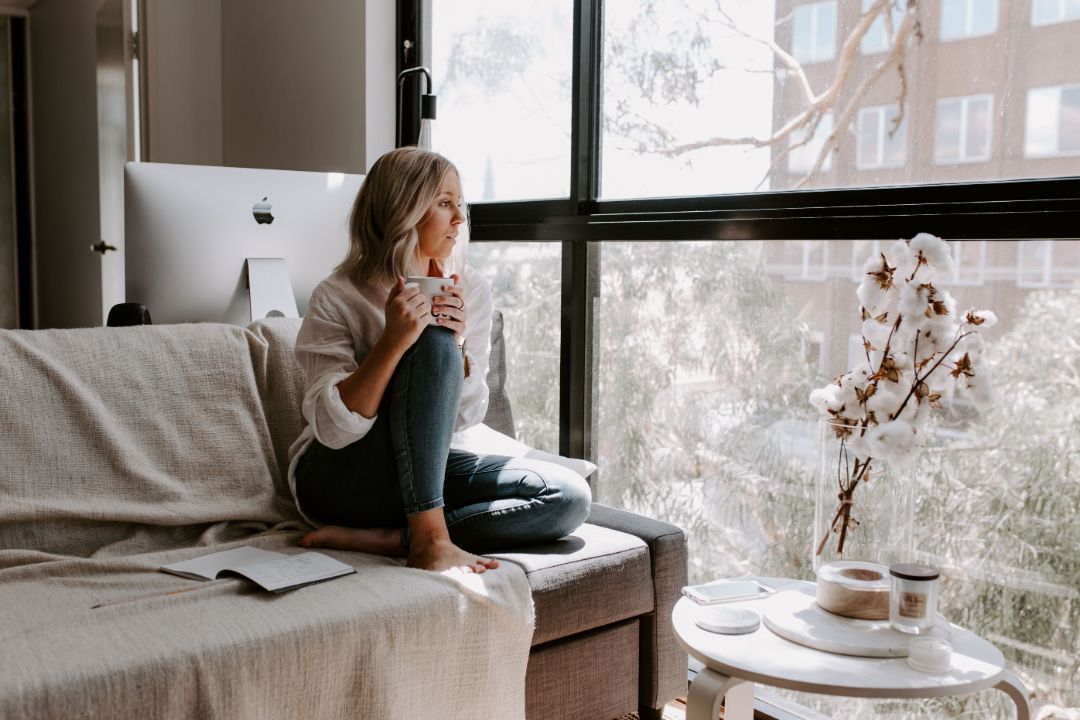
column 602, row 645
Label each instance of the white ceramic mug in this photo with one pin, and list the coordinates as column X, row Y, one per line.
column 430, row 287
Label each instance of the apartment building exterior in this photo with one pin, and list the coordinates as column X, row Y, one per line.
column 992, row 93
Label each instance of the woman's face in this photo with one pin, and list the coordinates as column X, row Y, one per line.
column 439, row 229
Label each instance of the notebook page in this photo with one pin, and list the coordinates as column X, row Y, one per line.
column 294, row 570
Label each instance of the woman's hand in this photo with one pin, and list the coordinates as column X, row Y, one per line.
column 449, row 309
column 407, row 314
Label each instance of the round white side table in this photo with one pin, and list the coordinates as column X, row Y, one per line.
column 734, row 663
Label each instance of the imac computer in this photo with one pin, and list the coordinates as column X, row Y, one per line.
column 223, row 244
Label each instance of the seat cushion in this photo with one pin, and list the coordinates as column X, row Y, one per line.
column 588, row 579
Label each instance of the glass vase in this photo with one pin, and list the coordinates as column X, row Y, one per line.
column 863, row 509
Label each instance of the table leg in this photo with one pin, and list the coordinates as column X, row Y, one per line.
column 710, row 687
column 1014, row 688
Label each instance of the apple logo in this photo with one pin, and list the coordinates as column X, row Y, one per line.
column 261, row 211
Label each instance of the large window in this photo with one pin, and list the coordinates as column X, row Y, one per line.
column 968, row 18
column 882, row 139
column 964, row 129
column 1053, row 121
column 878, row 37
column 524, row 281
column 813, row 32
column 698, row 278
column 501, row 71
column 1045, row 12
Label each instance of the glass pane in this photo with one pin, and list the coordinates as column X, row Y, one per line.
column 875, row 39
column 1069, row 130
column 825, row 31
column 977, row 145
column 947, row 136
column 525, row 286
column 1041, row 126
column 502, row 74
column 953, row 19
column 983, row 17
column 695, row 101
column 803, row 155
column 895, row 138
column 1044, row 11
column 705, row 355
column 869, row 136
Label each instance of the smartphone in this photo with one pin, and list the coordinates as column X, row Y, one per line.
column 726, row 591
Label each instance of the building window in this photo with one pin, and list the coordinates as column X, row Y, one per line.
column 962, row 129
column 969, row 261
column 486, row 108
column 881, row 142
column 1047, row 263
column 813, row 34
column 803, row 260
column 1053, row 121
column 861, row 251
column 1047, row 12
column 968, row 18
column 876, row 39
column 802, row 156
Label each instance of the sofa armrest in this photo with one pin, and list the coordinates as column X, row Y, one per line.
column 663, row 662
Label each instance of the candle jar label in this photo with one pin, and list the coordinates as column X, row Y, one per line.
column 912, row 605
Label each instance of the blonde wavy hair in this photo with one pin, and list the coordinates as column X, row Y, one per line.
column 396, row 195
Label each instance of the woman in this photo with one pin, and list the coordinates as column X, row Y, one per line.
column 391, row 377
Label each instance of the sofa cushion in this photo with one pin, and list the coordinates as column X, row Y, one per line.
column 126, row 440
column 587, row 579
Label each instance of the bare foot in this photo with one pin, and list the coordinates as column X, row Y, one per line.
column 378, row 541
column 444, row 555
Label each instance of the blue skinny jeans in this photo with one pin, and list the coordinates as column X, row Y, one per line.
column 404, row 465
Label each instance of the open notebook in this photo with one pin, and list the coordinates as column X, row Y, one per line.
column 272, row 571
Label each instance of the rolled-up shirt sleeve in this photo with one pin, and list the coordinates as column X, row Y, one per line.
column 327, row 355
column 474, row 392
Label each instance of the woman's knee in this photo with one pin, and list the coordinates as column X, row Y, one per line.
column 570, row 495
column 437, row 347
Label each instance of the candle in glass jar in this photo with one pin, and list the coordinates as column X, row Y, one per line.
column 913, row 597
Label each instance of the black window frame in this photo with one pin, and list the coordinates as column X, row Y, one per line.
column 1044, row 208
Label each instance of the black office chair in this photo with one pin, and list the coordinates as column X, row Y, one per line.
column 129, row 313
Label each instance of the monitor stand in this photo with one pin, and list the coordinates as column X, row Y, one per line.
column 270, row 292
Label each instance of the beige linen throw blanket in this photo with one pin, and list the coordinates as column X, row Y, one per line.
column 123, row 449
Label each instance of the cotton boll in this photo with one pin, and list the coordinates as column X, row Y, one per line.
column 856, row 445
column 901, row 256
column 827, row 398
column 885, row 400
column 912, row 307
column 971, row 343
column 938, row 335
column 894, row 441
column 983, row 319
column 872, row 297
column 877, row 333
column 936, row 252
column 980, row 388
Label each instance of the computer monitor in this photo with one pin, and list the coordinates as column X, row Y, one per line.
column 189, row 231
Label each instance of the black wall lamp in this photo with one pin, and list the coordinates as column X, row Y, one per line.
column 427, row 108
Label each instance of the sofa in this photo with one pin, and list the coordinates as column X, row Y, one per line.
column 126, row 448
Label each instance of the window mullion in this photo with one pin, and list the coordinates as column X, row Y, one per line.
column 575, row 381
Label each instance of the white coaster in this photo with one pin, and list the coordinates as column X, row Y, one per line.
column 728, row 620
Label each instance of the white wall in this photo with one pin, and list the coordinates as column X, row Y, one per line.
column 293, row 84
column 271, row 83
column 63, row 81
column 256, row 83
column 184, row 93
